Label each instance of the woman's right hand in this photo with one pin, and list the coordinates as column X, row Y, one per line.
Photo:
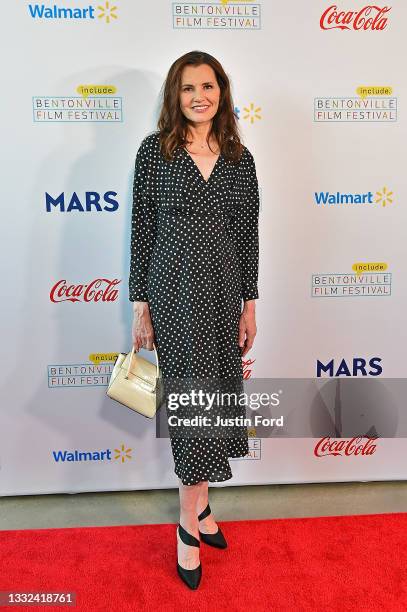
column 142, row 330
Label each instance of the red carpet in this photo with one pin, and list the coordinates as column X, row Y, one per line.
column 319, row 564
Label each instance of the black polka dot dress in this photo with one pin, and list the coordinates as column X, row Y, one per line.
column 194, row 258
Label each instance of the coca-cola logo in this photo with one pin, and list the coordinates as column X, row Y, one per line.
column 336, row 448
column 247, row 370
column 100, row 289
column 370, row 17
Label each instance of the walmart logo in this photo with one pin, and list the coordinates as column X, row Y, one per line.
column 120, row 454
column 383, row 197
column 104, row 12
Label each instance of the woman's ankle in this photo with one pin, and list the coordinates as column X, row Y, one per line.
column 201, row 504
column 203, row 498
column 189, row 521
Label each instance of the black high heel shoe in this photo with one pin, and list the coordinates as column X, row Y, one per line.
column 192, row 578
column 213, row 539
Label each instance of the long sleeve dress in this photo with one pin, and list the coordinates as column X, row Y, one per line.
column 194, row 258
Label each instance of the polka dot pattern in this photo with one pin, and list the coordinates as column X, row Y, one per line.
column 194, row 258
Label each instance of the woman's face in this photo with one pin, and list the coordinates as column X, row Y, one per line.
column 200, row 93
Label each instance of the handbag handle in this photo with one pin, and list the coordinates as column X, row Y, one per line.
column 131, row 359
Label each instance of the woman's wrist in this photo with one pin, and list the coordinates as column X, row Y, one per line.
column 249, row 305
column 140, row 306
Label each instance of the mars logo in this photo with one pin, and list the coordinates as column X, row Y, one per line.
column 370, row 17
column 62, row 292
column 337, row 448
column 88, row 203
column 358, row 367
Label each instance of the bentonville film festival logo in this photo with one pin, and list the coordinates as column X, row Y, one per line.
column 373, row 104
column 94, row 373
column 95, row 103
column 369, row 279
column 217, row 15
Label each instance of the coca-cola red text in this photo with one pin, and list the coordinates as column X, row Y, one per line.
column 327, row 446
column 247, row 371
column 62, row 292
column 370, row 17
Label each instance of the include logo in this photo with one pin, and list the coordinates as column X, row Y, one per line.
column 98, row 290
column 89, row 202
column 215, row 15
column 104, row 12
column 121, row 454
column 369, row 280
column 383, row 197
column 358, row 366
column 345, row 448
column 370, row 17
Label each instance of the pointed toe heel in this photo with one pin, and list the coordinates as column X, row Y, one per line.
column 191, row 578
column 213, row 539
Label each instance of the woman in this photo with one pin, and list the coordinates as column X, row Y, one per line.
column 194, row 258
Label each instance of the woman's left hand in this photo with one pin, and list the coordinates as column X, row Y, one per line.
column 247, row 326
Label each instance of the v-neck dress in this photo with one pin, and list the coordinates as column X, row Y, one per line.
column 194, row 259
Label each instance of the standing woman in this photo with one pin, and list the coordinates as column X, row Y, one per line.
column 194, row 270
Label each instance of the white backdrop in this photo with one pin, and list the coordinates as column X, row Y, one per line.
column 67, row 182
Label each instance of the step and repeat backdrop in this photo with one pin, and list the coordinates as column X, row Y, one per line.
column 320, row 91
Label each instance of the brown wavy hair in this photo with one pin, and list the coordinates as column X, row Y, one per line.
column 172, row 123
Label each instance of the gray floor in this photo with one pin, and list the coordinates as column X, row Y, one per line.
column 228, row 503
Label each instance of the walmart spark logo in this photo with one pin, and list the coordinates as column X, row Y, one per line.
column 106, row 12
column 252, row 113
column 249, row 113
column 384, row 197
column 123, row 453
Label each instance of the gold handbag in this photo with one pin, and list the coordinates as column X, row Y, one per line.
column 135, row 382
